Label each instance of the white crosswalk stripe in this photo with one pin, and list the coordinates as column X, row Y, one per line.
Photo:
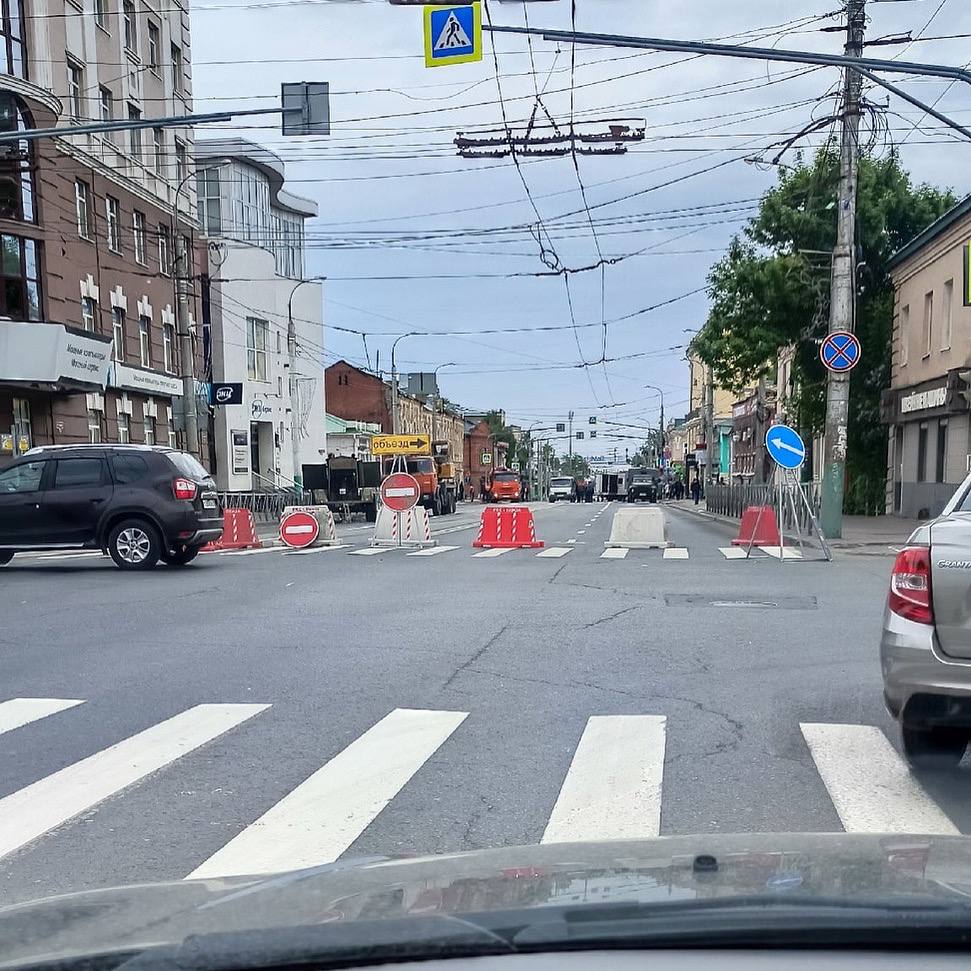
column 783, row 552
column 18, row 712
column 316, row 549
column 38, row 808
column 614, row 553
column 492, row 552
column 432, row 551
column 613, row 787
column 555, row 551
column 733, row 552
column 675, row 553
column 373, row 550
column 320, row 819
column 870, row 784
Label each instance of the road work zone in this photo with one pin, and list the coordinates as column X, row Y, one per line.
column 638, row 529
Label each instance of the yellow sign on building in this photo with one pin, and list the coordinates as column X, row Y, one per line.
column 401, row 445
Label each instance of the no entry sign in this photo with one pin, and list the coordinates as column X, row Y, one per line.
column 400, row 491
column 299, row 529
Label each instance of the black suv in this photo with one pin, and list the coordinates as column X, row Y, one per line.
column 138, row 503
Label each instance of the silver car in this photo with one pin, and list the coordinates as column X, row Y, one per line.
column 925, row 650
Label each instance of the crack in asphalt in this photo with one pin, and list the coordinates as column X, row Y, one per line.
column 475, row 657
column 613, row 616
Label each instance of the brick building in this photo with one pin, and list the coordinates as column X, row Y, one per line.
column 89, row 349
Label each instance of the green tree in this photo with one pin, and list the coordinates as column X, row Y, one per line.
column 501, row 432
column 772, row 288
column 575, row 465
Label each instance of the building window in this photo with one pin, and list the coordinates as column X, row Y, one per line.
column 251, row 204
column 145, row 340
column 164, row 249
column 922, row 452
column 940, row 459
column 928, row 322
column 946, row 315
column 176, row 68
column 158, row 149
column 113, row 215
column 181, row 160
column 94, row 427
column 135, row 134
column 128, row 17
column 89, row 311
column 101, row 13
column 20, row 293
column 21, row 422
column 17, row 168
column 904, row 335
column 12, row 42
column 118, row 333
column 168, row 347
column 256, row 333
column 173, row 438
column 75, row 90
column 207, row 197
column 279, row 386
column 153, row 44
column 82, row 202
column 138, row 227
column 149, row 430
column 124, row 428
column 107, row 106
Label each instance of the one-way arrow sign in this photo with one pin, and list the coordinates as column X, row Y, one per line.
column 785, row 447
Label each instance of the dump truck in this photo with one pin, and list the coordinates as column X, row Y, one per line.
column 347, row 485
column 436, row 477
column 505, row 484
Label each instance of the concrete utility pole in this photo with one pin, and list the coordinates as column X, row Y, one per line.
column 185, row 337
column 296, row 419
column 570, row 416
column 709, row 422
column 842, row 311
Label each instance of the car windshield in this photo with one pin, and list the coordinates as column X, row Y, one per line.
column 485, row 455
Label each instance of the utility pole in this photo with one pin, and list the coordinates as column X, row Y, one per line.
column 842, row 302
column 570, row 416
column 709, row 421
column 185, row 339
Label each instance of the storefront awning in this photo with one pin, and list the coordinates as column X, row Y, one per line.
column 52, row 357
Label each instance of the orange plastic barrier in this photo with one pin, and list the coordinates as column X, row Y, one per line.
column 239, row 532
column 758, row 527
column 507, row 527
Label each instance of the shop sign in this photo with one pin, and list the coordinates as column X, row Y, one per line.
column 149, row 382
column 240, row 452
column 260, row 410
column 39, row 353
column 922, row 400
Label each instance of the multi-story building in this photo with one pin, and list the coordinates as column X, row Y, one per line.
column 87, row 223
column 926, row 408
column 267, row 330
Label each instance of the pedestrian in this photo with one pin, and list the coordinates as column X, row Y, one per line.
column 695, row 489
column 482, row 488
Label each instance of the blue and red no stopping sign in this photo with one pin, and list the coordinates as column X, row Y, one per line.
column 840, row 351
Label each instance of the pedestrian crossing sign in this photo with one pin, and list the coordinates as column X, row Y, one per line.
column 453, row 35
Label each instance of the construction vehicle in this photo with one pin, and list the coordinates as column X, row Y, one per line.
column 613, row 484
column 436, row 477
column 504, row 485
column 644, row 485
column 346, row 485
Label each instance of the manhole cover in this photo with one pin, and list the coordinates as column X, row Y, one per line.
column 734, row 600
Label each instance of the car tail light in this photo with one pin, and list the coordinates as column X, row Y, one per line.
column 184, row 488
column 910, row 585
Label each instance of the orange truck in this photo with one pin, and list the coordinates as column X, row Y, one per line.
column 436, row 478
column 504, row 485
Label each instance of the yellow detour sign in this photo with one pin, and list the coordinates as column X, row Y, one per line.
column 401, row 445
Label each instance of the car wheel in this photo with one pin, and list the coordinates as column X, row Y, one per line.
column 933, row 748
column 6, row 556
column 134, row 545
column 180, row 558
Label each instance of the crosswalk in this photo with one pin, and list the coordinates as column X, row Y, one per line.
column 613, row 787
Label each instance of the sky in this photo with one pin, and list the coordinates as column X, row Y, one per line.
column 412, row 237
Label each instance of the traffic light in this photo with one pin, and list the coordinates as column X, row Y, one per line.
column 561, row 426
column 579, row 435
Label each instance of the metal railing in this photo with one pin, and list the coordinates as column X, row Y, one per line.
column 265, row 506
column 732, row 499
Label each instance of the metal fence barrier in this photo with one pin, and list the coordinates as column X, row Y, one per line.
column 266, row 507
column 732, row 499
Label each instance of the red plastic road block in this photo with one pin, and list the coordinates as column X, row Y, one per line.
column 758, row 527
column 507, row 527
column 239, row 532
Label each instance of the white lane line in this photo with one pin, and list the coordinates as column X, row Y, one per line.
column 374, row 550
column 322, row 817
column 554, row 551
column 317, row 549
column 675, row 553
column 494, row 551
column 614, row 553
column 432, row 551
column 571, row 541
column 580, row 532
column 613, row 787
column 23, row 711
column 259, row 549
column 30, row 812
column 783, row 552
column 732, row 552
column 870, row 784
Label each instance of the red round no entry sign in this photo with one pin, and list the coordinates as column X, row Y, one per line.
column 400, row 491
column 299, row 529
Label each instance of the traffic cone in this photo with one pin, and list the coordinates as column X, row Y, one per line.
column 758, row 527
column 507, row 527
column 239, row 532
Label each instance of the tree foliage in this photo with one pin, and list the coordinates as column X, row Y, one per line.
column 771, row 289
column 501, row 432
column 575, row 465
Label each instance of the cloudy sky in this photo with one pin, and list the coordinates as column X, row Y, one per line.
column 413, row 238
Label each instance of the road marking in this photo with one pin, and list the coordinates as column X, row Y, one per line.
column 675, row 553
column 432, row 551
column 317, row 549
column 322, row 817
column 614, row 553
column 374, row 550
column 493, row 551
column 580, row 532
column 732, row 552
column 23, row 711
column 259, row 549
column 783, row 552
column 870, row 785
column 554, row 551
column 613, row 787
column 66, row 555
column 30, row 812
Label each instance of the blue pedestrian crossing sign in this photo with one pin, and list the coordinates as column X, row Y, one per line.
column 785, row 447
column 840, row 351
column 453, row 35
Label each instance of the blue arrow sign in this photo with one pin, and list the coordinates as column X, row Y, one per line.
column 785, row 447
column 840, row 351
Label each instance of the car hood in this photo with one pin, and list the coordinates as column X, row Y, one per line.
column 75, row 925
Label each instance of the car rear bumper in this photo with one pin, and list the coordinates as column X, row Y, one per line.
column 202, row 536
column 913, row 664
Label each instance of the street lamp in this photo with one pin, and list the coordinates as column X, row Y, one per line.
column 438, row 397
column 394, row 381
column 654, row 387
column 294, row 390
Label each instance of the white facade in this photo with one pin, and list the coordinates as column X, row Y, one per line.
column 255, row 230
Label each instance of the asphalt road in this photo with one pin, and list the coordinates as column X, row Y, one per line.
column 332, row 705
